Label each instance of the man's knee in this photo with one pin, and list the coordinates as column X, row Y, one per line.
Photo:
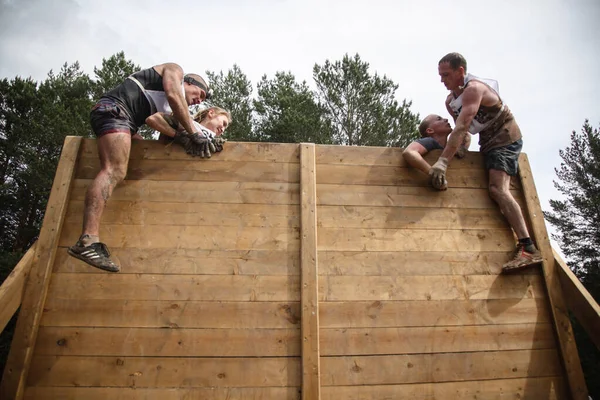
column 114, row 174
column 497, row 193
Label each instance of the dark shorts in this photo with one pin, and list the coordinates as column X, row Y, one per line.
column 504, row 158
column 107, row 116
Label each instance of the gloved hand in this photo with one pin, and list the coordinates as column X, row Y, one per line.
column 438, row 174
column 183, row 139
column 461, row 152
column 205, row 146
column 218, row 142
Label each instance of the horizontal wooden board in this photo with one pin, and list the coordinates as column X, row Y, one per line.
column 194, row 192
column 396, row 176
column 381, row 263
column 157, row 342
column 190, row 237
column 370, row 239
column 191, row 261
column 286, row 288
column 547, row 388
column 164, row 372
column 195, row 170
column 445, row 287
column 268, row 262
column 170, row 314
column 233, row 151
column 367, row 314
column 438, row 367
column 192, row 214
column 211, row 393
column 174, row 287
column 406, row 196
column 450, row 339
column 250, row 315
column 387, row 156
column 341, row 216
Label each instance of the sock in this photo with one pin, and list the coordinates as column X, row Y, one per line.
column 86, row 239
column 527, row 244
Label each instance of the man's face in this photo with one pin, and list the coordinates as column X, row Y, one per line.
column 438, row 124
column 193, row 94
column 451, row 78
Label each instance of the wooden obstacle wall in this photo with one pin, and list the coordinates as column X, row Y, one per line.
column 286, row 271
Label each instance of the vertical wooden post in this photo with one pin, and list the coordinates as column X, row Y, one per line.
column 560, row 314
column 311, row 385
column 21, row 351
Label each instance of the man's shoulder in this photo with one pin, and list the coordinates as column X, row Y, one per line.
column 429, row 143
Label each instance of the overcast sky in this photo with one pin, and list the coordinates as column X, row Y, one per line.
column 544, row 53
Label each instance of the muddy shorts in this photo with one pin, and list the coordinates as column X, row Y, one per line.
column 504, row 158
column 108, row 116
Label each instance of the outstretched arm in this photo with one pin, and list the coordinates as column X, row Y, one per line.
column 471, row 99
column 172, row 75
column 164, row 123
column 413, row 154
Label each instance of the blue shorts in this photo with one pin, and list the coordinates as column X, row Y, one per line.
column 504, row 158
column 107, row 116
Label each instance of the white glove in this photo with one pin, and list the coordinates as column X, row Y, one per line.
column 438, row 174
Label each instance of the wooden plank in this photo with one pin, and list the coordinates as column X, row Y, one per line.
column 165, row 372
column 374, row 314
column 21, row 352
column 11, row 290
column 234, row 151
column 191, row 237
column 445, row 287
column 192, row 261
column 387, row 156
column 192, row 214
column 558, row 309
column 175, row 287
column 548, row 388
column 340, row 239
column 381, row 341
column 381, row 263
column 193, row 170
column 311, row 386
column 397, row 176
column 579, row 300
column 212, row 393
column 358, row 314
column 187, row 192
column 171, row 314
column 158, row 342
column 341, row 216
column 439, row 367
column 405, row 196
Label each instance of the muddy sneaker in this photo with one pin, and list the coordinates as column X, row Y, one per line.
column 96, row 255
column 522, row 259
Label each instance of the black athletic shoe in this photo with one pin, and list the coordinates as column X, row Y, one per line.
column 96, row 255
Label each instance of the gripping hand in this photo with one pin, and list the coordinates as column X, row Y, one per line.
column 438, row 174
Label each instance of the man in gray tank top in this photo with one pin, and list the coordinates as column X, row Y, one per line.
column 476, row 107
column 115, row 120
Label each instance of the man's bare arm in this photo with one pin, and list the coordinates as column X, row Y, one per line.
column 160, row 122
column 172, row 75
column 413, row 154
column 471, row 99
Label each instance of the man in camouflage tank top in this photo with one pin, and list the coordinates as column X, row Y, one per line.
column 476, row 107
